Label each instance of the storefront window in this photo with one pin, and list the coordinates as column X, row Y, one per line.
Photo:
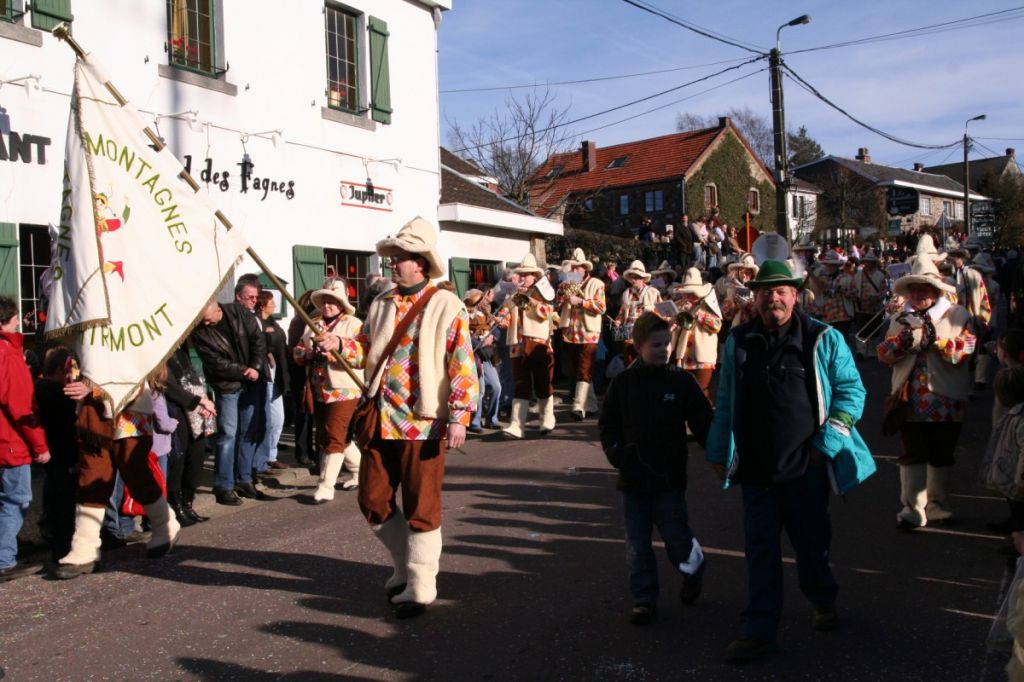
column 484, row 273
column 352, row 266
column 33, row 259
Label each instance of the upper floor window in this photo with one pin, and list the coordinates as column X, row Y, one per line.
column 959, row 211
column 926, row 206
column 190, row 37
column 618, row 162
column 710, row 195
column 947, row 208
column 347, row 57
column 754, row 201
column 11, row 10
column 654, row 201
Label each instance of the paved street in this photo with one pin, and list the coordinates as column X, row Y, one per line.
column 533, row 586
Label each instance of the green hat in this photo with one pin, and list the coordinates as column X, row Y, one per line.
column 774, row 273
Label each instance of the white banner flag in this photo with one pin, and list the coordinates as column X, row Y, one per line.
column 139, row 253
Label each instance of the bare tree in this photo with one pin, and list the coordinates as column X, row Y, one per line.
column 757, row 129
column 509, row 145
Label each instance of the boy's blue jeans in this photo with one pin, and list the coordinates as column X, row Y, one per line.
column 644, row 511
column 15, row 497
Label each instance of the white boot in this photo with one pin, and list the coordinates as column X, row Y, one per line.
column 424, row 560
column 592, row 405
column 85, row 544
column 579, row 410
column 517, row 423
column 394, row 535
column 329, row 470
column 165, row 529
column 352, row 457
column 547, row 415
column 937, row 510
column 913, row 495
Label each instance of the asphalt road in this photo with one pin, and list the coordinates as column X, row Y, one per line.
column 533, row 585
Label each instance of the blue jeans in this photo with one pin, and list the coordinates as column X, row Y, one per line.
column 235, row 446
column 490, row 379
column 15, row 497
column 266, row 452
column 644, row 511
column 114, row 522
column 801, row 507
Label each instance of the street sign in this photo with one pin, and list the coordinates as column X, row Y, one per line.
column 983, row 221
column 894, row 227
column 903, row 201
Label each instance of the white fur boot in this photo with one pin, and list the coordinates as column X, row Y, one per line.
column 394, row 535
column 592, row 405
column 165, row 529
column 913, row 495
column 329, row 470
column 937, row 510
column 517, row 423
column 579, row 409
column 547, row 415
column 423, row 565
column 352, row 457
column 85, row 543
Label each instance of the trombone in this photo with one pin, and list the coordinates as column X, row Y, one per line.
column 877, row 321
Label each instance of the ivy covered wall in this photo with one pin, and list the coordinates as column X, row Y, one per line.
column 728, row 167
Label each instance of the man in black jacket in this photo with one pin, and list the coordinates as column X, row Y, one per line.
column 232, row 347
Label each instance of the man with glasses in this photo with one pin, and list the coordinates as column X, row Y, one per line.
column 232, row 347
column 788, row 398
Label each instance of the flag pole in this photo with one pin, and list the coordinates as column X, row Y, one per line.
column 61, row 32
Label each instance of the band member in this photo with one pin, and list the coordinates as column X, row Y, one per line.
column 868, row 291
column 736, row 298
column 332, row 394
column 665, row 274
column 982, row 262
column 582, row 304
column 481, row 326
column 827, row 283
column 639, row 298
column 695, row 335
column 970, row 288
column 527, row 318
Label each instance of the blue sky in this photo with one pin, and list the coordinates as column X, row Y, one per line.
column 921, row 89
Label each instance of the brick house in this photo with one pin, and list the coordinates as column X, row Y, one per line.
column 610, row 190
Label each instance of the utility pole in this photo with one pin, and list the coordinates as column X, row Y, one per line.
column 779, row 131
column 967, row 177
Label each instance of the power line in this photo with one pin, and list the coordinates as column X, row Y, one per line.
column 690, row 26
column 989, row 18
column 811, row 89
column 615, row 108
column 1000, row 139
column 592, row 80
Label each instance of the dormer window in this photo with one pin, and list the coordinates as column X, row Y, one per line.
column 618, row 163
column 554, row 172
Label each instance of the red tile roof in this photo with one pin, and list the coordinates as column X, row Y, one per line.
column 653, row 160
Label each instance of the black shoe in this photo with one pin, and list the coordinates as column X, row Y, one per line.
column 409, row 609
column 19, row 571
column 746, row 649
column 303, row 461
column 186, row 505
column 475, row 429
column 110, row 541
column 227, row 497
column 643, row 614
column 692, row 585
column 825, row 618
column 174, row 502
column 393, row 592
column 248, row 490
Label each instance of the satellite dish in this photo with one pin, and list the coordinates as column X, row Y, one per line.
column 769, row 246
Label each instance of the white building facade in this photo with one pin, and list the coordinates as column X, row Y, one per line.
column 313, row 125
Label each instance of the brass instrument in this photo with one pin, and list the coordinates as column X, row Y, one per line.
column 685, row 320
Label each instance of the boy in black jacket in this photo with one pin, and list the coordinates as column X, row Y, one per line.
column 643, row 432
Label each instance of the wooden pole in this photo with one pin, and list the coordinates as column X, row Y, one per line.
column 61, row 32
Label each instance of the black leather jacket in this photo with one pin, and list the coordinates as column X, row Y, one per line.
column 230, row 347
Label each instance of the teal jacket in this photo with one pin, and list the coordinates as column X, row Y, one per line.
column 840, row 402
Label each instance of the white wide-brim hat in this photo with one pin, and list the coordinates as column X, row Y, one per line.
column 746, row 262
column 336, row 289
column 693, row 284
column 528, row 266
column 637, row 270
column 926, row 247
column 579, row 259
column 417, row 237
column 922, row 272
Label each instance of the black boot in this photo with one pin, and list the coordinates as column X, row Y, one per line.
column 187, row 498
column 174, row 502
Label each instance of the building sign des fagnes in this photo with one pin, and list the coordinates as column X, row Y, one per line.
column 244, row 179
column 366, row 196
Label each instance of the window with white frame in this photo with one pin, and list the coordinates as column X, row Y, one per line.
column 347, row 57
column 710, row 196
column 947, row 209
column 754, row 201
column 959, row 208
column 926, row 206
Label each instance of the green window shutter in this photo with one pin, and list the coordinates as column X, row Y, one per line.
column 380, row 75
column 458, row 273
column 309, row 268
column 9, row 260
column 46, row 14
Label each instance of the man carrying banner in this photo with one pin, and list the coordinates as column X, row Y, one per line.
column 424, row 380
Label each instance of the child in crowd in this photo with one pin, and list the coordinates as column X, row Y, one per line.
column 1007, row 419
column 643, row 432
column 164, row 424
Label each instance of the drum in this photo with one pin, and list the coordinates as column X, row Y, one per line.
column 622, row 333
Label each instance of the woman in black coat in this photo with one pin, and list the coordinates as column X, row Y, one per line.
column 186, row 393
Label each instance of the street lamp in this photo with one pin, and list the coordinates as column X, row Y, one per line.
column 779, row 130
column 967, row 176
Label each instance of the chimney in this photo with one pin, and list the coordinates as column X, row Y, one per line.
column 862, row 155
column 919, row 167
column 1011, row 152
column 723, row 121
column 589, row 152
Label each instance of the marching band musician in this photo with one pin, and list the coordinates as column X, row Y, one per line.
column 868, row 291
column 528, row 317
column 982, row 262
column 638, row 298
column 737, row 299
column 970, row 288
column 826, row 281
column 695, row 334
column 481, row 332
column 582, row 304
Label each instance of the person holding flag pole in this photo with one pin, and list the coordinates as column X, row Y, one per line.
column 133, row 226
